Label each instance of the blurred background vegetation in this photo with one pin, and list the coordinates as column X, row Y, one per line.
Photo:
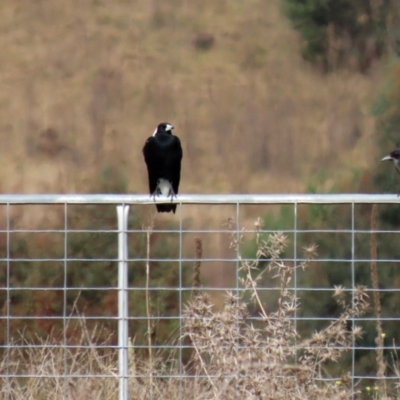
column 267, row 96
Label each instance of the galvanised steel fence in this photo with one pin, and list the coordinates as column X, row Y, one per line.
column 71, row 266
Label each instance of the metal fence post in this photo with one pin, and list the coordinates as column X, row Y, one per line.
column 122, row 214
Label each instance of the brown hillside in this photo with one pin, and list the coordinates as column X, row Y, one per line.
column 83, row 84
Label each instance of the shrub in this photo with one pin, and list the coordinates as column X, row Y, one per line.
column 338, row 32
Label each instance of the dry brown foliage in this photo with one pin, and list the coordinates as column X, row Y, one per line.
column 270, row 361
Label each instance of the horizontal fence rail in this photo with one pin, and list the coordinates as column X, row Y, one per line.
column 108, row 298
column 201, row 199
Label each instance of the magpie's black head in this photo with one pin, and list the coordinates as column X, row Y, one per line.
column 164, row 127
column 393, row 156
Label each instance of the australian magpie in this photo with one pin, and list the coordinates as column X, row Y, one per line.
column 163, row 154
column 394, row 156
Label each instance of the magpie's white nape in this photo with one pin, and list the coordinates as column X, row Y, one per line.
column 163, row 154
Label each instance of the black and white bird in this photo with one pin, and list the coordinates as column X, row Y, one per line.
column 163, row 154
column 394, row 156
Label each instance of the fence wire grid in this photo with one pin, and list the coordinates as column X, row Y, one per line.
column 63, row 298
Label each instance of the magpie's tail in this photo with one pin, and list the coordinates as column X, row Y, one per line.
column 166, row 207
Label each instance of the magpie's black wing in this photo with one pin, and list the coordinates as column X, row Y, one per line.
column 151, row 154
column 174, row 164
column 150, row 157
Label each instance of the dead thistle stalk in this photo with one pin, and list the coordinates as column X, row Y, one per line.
column 377, row 302
column 149, row 230
column 197, row 265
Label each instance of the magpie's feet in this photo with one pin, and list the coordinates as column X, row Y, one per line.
column 172, row 195
column 154, row 195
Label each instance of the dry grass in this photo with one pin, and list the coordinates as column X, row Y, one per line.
column 233, row 356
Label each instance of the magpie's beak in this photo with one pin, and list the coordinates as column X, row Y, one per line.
column 387, row 158
column 169, row 127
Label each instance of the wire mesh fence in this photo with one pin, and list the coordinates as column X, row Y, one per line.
column 218, row 267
